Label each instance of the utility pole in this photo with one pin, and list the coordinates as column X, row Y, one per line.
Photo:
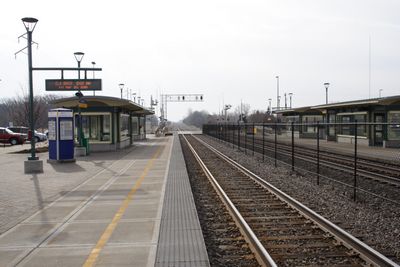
column 270, row 105
column 285, row 102
column 277, row 92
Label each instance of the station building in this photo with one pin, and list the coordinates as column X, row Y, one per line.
column 378, row 121
column 108, row 123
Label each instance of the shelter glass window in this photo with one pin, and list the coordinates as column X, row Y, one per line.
column 310, row 122
column 96, row 127
column 141, row 126
column 331, row 129
column 135, row 125
column 347, row 127
column 295, row 119
column 124, row 126
column 361, row 127
column 394, row 125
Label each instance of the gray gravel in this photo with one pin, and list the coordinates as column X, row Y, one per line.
column 374, row 221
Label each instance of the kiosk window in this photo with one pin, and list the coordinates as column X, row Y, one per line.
column 394, row 125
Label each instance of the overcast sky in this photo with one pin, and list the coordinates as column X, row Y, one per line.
column 227, row 50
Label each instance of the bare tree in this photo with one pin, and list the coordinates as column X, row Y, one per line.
column 196, row 118
column 16, row 110
column 241, row 112
column 257, row 116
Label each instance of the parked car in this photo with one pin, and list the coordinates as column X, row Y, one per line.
column 8, row 136
column 40, row 136
column 21, row 130
column 25, row 130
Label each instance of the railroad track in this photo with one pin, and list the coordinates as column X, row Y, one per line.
column 382, row 172
column 280, row 230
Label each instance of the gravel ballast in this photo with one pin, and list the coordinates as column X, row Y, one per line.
column 374, row 221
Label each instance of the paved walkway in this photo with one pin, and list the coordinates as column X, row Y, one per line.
column 108, row 215
column 181, row 241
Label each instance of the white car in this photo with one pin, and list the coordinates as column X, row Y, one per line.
column 39, row 137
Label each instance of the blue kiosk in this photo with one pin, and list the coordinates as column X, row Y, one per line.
column 61, row 135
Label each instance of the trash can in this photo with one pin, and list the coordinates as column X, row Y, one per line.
column 85, row 143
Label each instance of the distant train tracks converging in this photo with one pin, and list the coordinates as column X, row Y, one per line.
column 369, row 176
column 280, row 230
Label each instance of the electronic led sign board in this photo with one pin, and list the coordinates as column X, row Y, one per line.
column 73, row 85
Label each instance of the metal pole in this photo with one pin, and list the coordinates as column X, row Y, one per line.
column 327, row 94
column 276, row 140
column 79, row 71
column 245, row 139
column 355, row 162
column 292, row 146
column 285, row 101
column 263, row 141
column 254, row 133
column 226, row 132
column 79, row 110
column 318, row 153
column 277, row 92
column 238, row 136
column 233, row 136
column 94, row 63
column 31, row 119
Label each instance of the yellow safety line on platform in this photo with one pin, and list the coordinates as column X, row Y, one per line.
column 94, row 254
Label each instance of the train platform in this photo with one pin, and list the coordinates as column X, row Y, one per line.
column 390, row 154
column 129, row 208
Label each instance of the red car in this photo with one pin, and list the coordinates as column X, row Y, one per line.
column 8, row 136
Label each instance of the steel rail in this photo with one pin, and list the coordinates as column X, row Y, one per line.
column 369, row 162
column 338, row 166
column 261, row 253
column 341, row 168
column 366, row 161
column 366, row 252
column 345, row 168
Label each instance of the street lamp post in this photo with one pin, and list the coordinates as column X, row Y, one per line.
column 277, row 92
column 134, row 97
column 79, row 57
column 290, row 99
column 326, row 92
column 93, row 63
column 226, row 108
column 270, row 105
column 121, row 87
column 30, row 24
column 285, row 101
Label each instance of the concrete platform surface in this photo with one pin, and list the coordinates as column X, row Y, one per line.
column 181, row 241
column 103, row 210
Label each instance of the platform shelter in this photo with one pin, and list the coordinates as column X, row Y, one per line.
column 108, row 123
column 378, row 120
